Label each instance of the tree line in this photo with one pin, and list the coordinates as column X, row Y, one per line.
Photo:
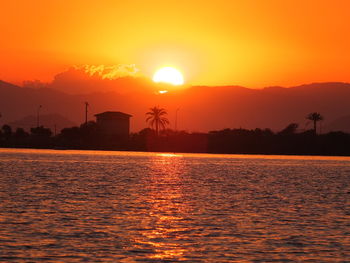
column 159, row 138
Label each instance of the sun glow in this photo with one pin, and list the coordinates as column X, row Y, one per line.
column 169, row 75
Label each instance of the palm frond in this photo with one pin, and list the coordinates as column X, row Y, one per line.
column 156, row 117
column 149, row 118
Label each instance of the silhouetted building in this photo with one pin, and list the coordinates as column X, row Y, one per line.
column 113, row 123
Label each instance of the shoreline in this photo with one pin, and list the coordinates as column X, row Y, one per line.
column 178, row 153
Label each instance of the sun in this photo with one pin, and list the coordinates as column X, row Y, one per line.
column 168, row 75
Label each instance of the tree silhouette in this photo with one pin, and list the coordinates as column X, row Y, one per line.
column 156, row 118
column 7, row 131
column 315, row 117
column 20, row 133
column 41, row 131
column 290, row 129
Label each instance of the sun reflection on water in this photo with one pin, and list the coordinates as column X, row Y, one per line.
column 169, row 155
column 164, row 222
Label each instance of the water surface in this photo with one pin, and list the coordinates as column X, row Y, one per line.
column 80, row 206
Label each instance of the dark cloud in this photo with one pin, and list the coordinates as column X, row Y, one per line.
column 89, row 78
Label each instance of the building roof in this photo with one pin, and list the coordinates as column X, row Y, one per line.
column 113, row 114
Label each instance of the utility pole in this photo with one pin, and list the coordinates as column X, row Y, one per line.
column 38, row 116
column 86, row 112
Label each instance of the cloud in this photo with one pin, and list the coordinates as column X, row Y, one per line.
column 122, row 78
column 83, row 79
column 110, row 72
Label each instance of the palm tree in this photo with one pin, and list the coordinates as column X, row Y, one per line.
column 156, row 118
column 315, row 117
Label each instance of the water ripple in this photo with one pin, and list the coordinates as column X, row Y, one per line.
column 74, row 206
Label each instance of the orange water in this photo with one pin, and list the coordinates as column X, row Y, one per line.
column 74, row 206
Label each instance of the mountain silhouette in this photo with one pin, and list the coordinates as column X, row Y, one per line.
column 52, row 121
column 201, row 108
column 340, row 124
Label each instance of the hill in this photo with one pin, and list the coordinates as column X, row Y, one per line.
column 55, row 122
column 200, row 108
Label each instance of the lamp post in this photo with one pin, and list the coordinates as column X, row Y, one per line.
column 37, row 116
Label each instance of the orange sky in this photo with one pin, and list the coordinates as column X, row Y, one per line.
column 251, row 43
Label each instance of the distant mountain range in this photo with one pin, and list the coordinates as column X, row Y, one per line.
column 54, row 121
column 340, row 124
column 200, row 108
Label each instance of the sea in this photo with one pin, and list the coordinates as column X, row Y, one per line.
column 109, row 206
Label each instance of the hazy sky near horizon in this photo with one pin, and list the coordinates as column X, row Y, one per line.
column 250, row 43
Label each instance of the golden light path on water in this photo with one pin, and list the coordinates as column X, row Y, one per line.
column 165, row 210
column 171, row 207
